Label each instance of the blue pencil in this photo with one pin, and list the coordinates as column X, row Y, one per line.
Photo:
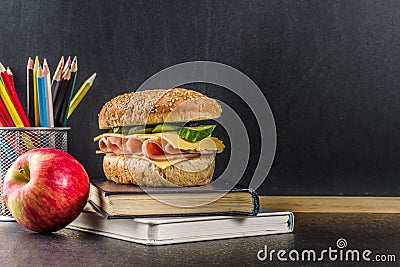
column 42, row 98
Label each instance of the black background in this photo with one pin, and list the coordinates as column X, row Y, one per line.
column 330, row 71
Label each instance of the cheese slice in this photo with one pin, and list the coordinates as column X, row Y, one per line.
column 208, row 143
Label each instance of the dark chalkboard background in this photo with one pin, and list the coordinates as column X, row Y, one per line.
column 329, row 69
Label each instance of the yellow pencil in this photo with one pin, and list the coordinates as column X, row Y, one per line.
column 81, row 94
column 10, row 107
column 35, row 93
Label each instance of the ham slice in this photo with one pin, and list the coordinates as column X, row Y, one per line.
column 154, row 148
column 133, row 146
column 111, row 144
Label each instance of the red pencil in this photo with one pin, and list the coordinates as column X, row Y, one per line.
column 11, row 75
column 2, row 122
column 13, row 95
column 4, row 114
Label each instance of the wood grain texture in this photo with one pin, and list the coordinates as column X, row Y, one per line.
column 332, row 204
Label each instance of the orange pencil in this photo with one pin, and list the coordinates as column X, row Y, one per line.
column 13, row 95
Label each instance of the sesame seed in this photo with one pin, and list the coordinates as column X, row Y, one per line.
column 171, row 109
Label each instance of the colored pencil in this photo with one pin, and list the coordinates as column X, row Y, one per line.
column 80, row 94
column 13, row 95
column 29, row 92
column 49, row 98
column 74, row 71
column 70, row 91
column 11, row 75
column 6, row 117
column 41, row 88
column 2, row 122
column 56, row 84
column 66, row 66
column 35, row 94
column 68, row 94
column 59, row 66
column 60, row 98
column 10, row 107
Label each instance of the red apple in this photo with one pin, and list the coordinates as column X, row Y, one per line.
column 45, row 189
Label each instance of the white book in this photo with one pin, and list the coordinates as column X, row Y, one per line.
column 172, row 230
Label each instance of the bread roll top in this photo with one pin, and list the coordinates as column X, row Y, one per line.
column 157, row 106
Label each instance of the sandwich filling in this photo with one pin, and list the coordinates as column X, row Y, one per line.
column 157, row 146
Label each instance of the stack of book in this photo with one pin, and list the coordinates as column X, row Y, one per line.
column 130, row 213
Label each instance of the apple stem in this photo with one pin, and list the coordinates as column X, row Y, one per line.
column 21, row 171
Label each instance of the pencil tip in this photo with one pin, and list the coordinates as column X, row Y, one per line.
column 2, row 69
column 91, row 79
column 40, row 72
column 30, row 63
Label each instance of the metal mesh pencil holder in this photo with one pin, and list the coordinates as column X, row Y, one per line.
column 16, row 141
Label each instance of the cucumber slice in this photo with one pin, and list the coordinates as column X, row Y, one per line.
column 131, row 130
column 117, row 129
column 164, row 128
column 196, row 133
column 139, row 130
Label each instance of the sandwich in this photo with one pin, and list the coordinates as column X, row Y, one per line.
column 159, row 137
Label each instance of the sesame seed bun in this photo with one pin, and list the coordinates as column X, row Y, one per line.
column 157, row 106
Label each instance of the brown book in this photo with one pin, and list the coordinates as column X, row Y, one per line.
column 125, row 201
